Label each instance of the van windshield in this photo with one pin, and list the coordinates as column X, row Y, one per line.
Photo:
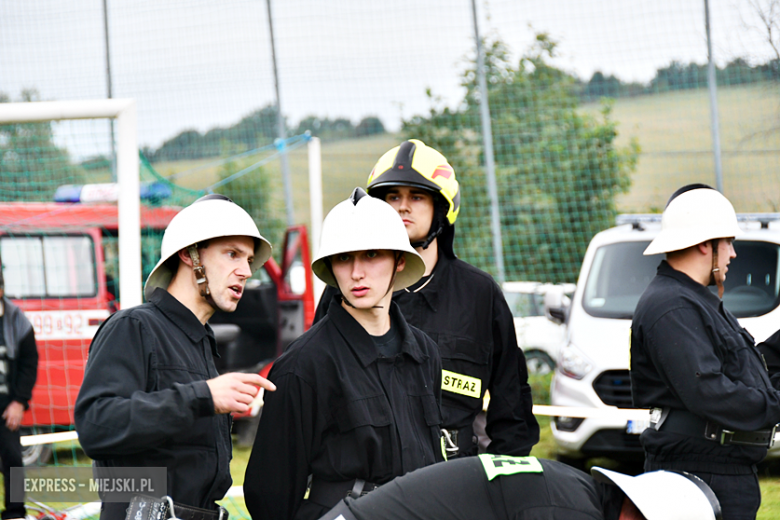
column 48, row 266
column 620, row 274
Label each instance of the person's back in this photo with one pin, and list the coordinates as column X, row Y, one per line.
column 497, row 487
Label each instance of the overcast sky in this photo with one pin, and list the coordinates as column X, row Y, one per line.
column 200, row 64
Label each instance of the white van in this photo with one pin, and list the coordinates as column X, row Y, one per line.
column 593, row 361
column 538, row 337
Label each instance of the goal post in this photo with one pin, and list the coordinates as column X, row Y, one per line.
column 128, row 175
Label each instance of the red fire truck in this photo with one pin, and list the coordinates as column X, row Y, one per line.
column 60, row 265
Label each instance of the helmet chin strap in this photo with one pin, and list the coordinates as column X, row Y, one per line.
column 437, row 225
column 430, row 238
column 200, row 275
column 717, row 276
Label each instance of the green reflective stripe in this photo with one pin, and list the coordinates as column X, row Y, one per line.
column 443, row 447
column 460, row 384
column 496, row 465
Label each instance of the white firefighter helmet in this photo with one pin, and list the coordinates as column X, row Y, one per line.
column 665, row 495
column 694, row 214
column 212, row 216
column 363, row 223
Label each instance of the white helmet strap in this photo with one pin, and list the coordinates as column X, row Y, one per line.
column 199, row 270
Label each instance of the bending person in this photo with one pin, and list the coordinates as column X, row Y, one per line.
column 358, row 395
column 493, row 487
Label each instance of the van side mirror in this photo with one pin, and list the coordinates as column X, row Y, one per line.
column 556, row 304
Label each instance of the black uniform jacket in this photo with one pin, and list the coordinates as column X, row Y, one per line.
column 464, row 311
column 145, row 401
column 342, row 412
column 460, row 490
column 689, row 353
column 23, row 367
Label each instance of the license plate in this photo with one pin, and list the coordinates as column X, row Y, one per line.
column 637, row 427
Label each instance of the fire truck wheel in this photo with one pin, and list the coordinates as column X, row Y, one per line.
column 37, row 455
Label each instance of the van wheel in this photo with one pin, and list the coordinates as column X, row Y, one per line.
column 538, row 363
column 37, row 455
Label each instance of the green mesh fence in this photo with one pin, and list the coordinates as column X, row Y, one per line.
column 596, row 108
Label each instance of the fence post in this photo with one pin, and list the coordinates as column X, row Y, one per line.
column 712, row 84
column 315, row 205
column 487, row 140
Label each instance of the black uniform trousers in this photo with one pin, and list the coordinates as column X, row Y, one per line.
column 11, row 454
column 739, row 495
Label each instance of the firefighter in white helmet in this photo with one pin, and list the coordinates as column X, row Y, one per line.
column 358, row 394
column 714, row 408
column 151, row 394
column 493, row 487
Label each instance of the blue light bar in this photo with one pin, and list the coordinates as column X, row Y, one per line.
column 108, row 192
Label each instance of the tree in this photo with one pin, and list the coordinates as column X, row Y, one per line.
column 259, row 128
column 371, row 125
column 768, row 25
column 256, row 193
column 558, row 170
column 31, row 165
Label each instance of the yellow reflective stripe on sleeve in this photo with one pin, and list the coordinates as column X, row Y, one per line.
column 496, row 465
column 460, row 384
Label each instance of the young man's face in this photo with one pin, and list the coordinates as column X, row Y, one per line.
column 725, row 254
column 364, row 276
column 228, row 263
column 415, row 206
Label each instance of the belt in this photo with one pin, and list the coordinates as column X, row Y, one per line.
column 328, row 494
column 687, row 423
column 143, row 507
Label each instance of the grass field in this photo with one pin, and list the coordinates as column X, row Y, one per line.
column 673, row 130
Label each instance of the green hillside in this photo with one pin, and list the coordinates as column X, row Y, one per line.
column 673, row 130
column 345, row 164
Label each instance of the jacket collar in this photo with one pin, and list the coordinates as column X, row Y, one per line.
column 431, row 291
column 360, row 341
column 711, row 299
column 183, row 318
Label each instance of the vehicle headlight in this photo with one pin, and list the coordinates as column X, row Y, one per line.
column 573, row 363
